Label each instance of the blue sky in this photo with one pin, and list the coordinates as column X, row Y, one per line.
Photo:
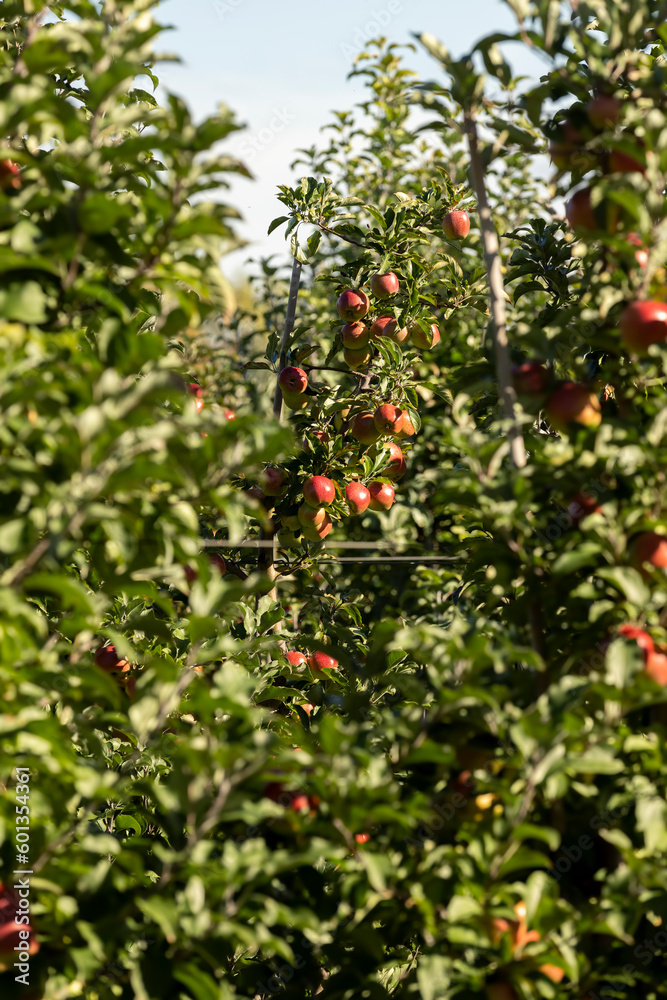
column 282, row 66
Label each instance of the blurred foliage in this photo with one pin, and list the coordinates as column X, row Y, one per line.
column 489, row 737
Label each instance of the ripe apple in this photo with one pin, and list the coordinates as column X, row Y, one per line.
column 388, row 418
column 359, row 360
column 196, row 391
column 382, row 495
column 643, row 323
column 383, row 326
column 295, row 658
column 456, row 225
column 230, row 415
column 573, row 403
column 293, row 380
column 581, row 506
column 318, row 532
column 397, row 466
column 318, row 491
column 363, row 428
column 108, row 659
column 406, row 429
column 352, row 305
column 641, row 253
column 273, row 481
column 530, row 378
column 656, row 667
column 10, row 174
column 603, row 111
column 425, row 341
column 217, row 562
column 362, row 838
column 649, row 547
column 354, row 335
column 579, row 211
column 340, row 418
column 384, row 286
column 642, row 638
column 322, row 661
column 358, row 497
column 552, row 972
column 624, row 163
column 311, row 516
column 295, row 400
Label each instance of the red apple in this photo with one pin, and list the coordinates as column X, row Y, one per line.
column 573, row 403
column 384, row 286
column 108, row 659
column 354, row 335
column 322, row 661
column 218, row 563
column 10, row 174
column 396, row 467
column 387, row 326
column 382, row 495
column 295, row 658
column 311, row 516
column 649, row 547
column 643, row 323
column 388, row 418
column 552, row 972
column 318, row 491
column 230, row 415
column 273, row 481
column 295, row 400
column 579, row 211
column 456, row 225
column 425, row 341
column 359, row 360
column 530, row 378
column 362, row 838
column 623, row 163
column 352, row 305
column 641, row 253
column 656, row 667
column 318, row 532
column 642, row 638
column 406, row 429
column 293, row 380
column 603, row 111
column 363, row 428
column 581, row 505
column 357, row 496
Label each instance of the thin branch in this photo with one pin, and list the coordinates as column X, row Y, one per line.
column 496, row 296
column 264, row 561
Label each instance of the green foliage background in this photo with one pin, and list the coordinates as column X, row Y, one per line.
column 487, row 727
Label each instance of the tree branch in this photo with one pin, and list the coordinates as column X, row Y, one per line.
column 496, row 296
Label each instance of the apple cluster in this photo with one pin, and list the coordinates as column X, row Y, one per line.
column 591, row 138
column 350, row 494
column 359, row 337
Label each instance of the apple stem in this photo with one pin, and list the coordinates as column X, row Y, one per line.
column 496, row 295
